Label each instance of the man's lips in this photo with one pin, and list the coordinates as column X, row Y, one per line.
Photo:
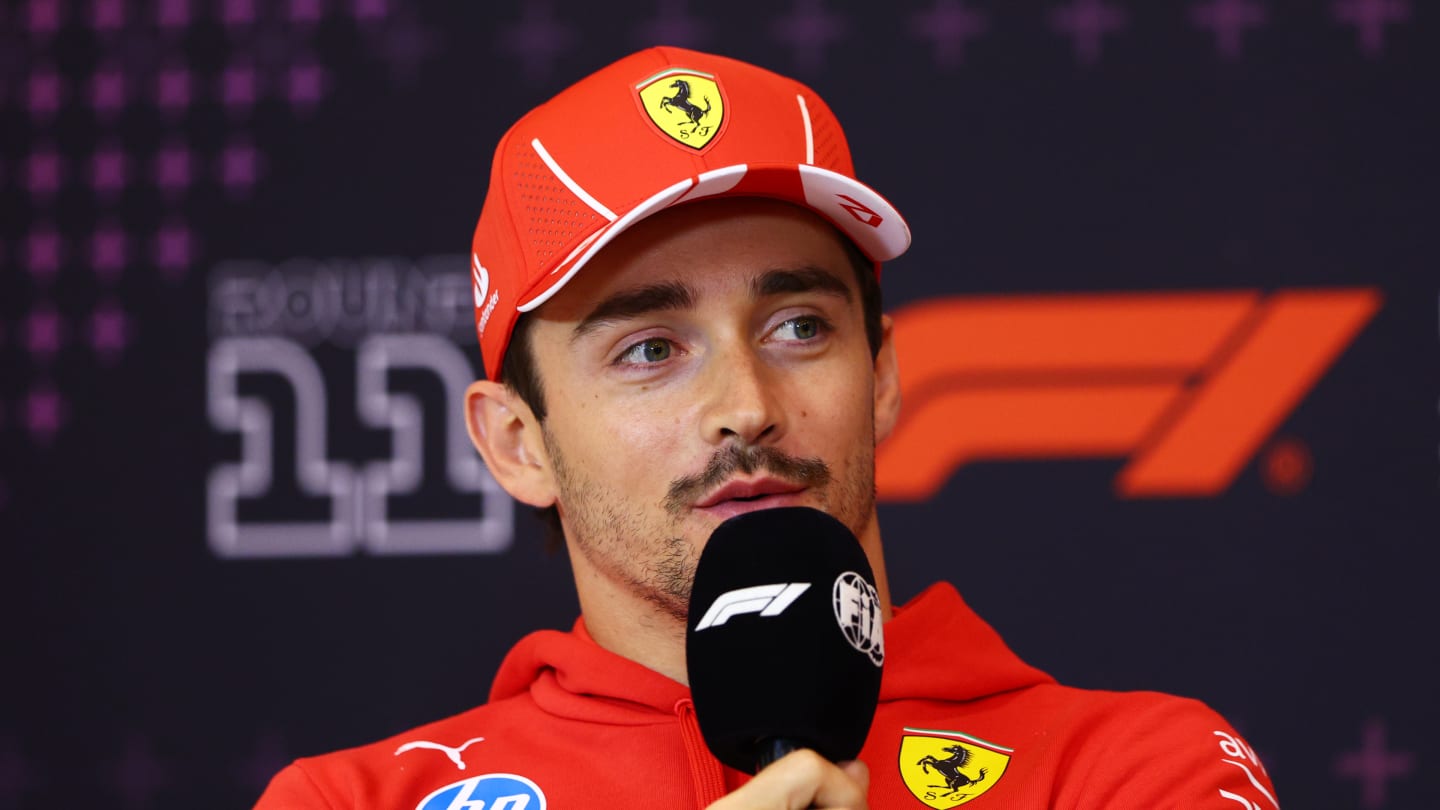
column 753, row 489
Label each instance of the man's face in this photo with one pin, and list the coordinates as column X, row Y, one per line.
column 711, row 361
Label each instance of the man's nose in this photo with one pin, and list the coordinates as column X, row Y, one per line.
column 742, row 396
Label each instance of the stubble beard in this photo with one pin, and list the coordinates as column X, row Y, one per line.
column 658, row 564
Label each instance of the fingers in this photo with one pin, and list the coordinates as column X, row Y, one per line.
column 859, row 784
column 800, row 780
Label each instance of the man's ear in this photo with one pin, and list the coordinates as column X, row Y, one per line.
column 507, row 434
column 887, row 381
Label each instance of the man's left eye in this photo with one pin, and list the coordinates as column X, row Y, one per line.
column 806, row 327
column 653, row 350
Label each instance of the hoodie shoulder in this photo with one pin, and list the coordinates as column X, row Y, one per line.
column 1152, row 750
column 387, row 772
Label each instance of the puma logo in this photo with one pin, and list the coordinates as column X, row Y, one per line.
column 452, row 753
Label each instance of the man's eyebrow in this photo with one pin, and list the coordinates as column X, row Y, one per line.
column 799, row 279
column 673, row 295
column 636, row 301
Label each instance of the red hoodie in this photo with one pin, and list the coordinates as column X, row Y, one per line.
column 961, row 720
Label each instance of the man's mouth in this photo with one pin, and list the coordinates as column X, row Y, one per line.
column 738, row 497
column 744, row 478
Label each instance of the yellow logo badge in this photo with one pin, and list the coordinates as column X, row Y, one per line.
column 685, row 104
column 949, row 768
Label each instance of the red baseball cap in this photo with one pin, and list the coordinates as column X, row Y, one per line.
column 661, row 127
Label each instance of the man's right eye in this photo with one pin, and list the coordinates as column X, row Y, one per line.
column 652, row 350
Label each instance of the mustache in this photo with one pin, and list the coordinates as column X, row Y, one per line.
column 747, row 459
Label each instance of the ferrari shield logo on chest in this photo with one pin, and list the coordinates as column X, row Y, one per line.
column 685, row 105
column 949, row 768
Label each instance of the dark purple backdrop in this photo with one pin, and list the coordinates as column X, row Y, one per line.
column 217, row 213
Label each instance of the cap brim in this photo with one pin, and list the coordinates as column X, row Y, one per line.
column 870, row 221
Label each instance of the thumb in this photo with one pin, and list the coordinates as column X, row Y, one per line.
column 859, row 771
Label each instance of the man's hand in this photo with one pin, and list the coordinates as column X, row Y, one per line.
column 800, row 780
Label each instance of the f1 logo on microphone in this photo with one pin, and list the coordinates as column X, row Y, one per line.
column 767, row 600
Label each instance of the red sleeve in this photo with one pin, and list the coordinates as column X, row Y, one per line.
column 292, row 789
column 1176, row 754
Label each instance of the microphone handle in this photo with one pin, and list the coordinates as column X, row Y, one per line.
column 771, row 749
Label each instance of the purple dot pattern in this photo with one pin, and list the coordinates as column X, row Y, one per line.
column 43, row 253
column 43, row 334
column 109, row 331
column 808, row 30
column 949, row 25
column 44, row 94
column 44, row 172
column 370, row 11
column 272, row 65
column 238, row 13
column 16, row 770
column 1229, row 20
column 107, row 15
column 146, row 72
column 537, row 40
column 172, row 90
column 674, row 25
column 306, row 85
column 173, row 14
column 1371, row 19
column 1375, row 764
column 140, row 775
column 306, row 11
column 239, row 168
column 109, row 168
column 108, row 91
column 271, row 74
column 1086, row 23
column 45, row 412
column 404, row 43
column 44, row 17
column 172, row 169
column 237, row 90
column 109, row 252
column 268, row 758
column 173, row 250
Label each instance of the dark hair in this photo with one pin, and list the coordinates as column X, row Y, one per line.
column 518, row 371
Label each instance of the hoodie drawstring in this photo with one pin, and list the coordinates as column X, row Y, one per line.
column 706, row 772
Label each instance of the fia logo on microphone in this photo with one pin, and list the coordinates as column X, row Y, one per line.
column 857, row 609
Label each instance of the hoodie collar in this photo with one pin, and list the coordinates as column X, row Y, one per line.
column 937, row 648
column 569, row 675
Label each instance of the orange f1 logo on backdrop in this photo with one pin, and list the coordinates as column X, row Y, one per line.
column 1187, row 385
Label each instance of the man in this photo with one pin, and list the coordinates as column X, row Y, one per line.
column 676, row 293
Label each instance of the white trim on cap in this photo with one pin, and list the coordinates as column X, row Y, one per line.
column 715, row 181
column 883, row 239
column 809, row 135
column 584, row 243
column 595, row 205
column 656, row 202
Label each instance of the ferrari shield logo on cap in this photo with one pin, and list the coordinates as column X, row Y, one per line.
column 949, row 768
column 685, row 105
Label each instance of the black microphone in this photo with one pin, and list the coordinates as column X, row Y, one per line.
column 783, row 642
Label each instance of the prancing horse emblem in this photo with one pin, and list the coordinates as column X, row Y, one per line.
column 950, row 766
column 685, row 105
column 966, row 766
column 681, row 101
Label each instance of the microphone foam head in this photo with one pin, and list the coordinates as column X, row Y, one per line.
column 784, row 636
